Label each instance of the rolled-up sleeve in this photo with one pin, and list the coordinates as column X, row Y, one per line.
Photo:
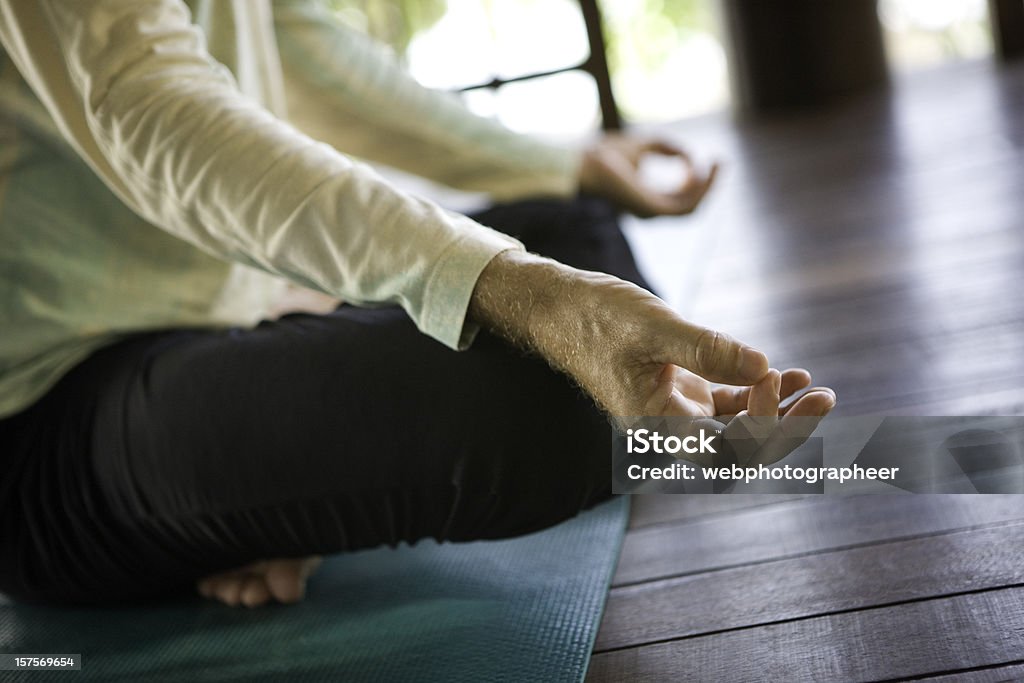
column 133, row 90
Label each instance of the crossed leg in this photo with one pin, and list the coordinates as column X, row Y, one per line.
column 584, row 233
column 178, row 455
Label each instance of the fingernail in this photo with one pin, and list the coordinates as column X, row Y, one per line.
column 831, row 396
column 777, row 381
column 754, row 365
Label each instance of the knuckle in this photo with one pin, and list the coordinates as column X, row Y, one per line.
column 707, row 350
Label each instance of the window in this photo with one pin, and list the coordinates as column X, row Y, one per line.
column 665, row 56
column 924, row 33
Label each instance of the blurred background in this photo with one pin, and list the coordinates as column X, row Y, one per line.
column 667, row 58
column 672, row 72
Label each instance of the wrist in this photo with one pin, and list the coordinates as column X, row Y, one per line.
column 549, row 308
column 516, row 294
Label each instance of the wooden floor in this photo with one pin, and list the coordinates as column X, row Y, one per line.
column 881, row 245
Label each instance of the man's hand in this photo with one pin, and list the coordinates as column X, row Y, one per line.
column 617, row 340
column 759, row 429
column 611, row 169
column 631, row 352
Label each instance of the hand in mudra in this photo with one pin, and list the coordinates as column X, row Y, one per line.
column 633, row 354
column 610, row 168
column 760, row 430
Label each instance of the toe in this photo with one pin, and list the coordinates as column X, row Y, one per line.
column 285, row 584
column 229, row 590
column 287, row 578
column 283, row 580
column 255, row 591
column 212, row 586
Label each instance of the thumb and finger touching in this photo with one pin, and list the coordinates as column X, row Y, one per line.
column 753, row 427
column 683, row 200
column 617, row 167
column 761, row 431
column 691, row 190
column 794, row 426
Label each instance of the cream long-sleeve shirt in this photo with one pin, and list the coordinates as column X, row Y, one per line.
column 170, row 164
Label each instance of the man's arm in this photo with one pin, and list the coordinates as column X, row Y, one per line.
column 611, row 336
column 637, row 357
column 348, row 90
column 133, row 90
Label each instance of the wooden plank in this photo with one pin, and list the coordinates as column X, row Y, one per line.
column 862, row 269
column 885, row 329
column 999, row 674
column 910, row 376
column 801, row 527
column 970, row 293
column 811, row 586
column 986, row 395
column 889, row 214
column 905, row 369
column 648, row 510
column 1005, row 397
column 908, row 640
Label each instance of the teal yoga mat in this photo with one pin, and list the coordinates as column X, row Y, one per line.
column 525, row 609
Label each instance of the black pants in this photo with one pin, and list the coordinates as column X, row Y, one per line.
column 175, row 454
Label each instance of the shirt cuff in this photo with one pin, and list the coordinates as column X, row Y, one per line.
column 452, row 280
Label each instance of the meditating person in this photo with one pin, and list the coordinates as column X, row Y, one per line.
column 166, row 168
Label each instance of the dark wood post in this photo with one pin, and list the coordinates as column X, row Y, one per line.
column 597, row 65
column 787, row 53
column 1007, row 19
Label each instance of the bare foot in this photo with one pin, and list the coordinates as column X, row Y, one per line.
column 283, row 580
